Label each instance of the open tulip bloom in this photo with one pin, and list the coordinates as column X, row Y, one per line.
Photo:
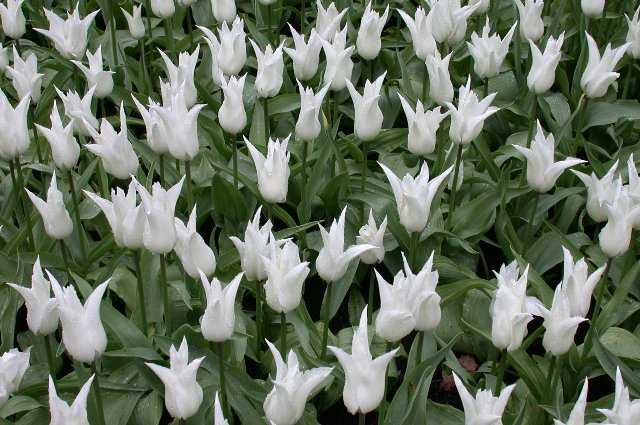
column 56, row 219
column 489, row 51
column 633, row 35
column 600, row 191
column 64, row 147
column 63, row 414
column 368, row 42
column 368, row 115
column 484, row 408
column 420, row 28
column 14, row 139
column 13, row 365
column 599, row 73
column 285, row 275
column 449, row 20
column 69, row 36
column 305, row 55
column 25, row 77
column 96, row 75
column 308, row 126
column 229, row 50
column 560, row 325
column 182, row 74
column 78, row 110
column 339, row 64
column 469, row 115
column 543, row 64
column 531, row 24
column 273, row 169
column 219, row 318
column 423, row 126
column 624, row 411
column 194, row 253
column 328, row 20
column 13, row 20
column 576, row 417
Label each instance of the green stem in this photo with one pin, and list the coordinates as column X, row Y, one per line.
column 454, row 187
column 424, row 86
column 602, row 285
column 50, row 357
column 533, row 112
column 18, row 184
column 258, row 317
column 554, row 374
column 326, row 320
column 516, row 54
column 65, row 258
column 372, row 289
column 283, row 334
column 305, row 153
column 419, row 348
column 36, row 139
column 114, row 41
column 361, row 419
column 165, row 293
column 413, row 250
column 147, row 9
column 145, row 71
column 187, row 168
column 267, row 123
column 104, row 180
column 363, row 177
column 234, row 148
column 223, row 386
column 168, row 28
column 76, row 216
column 532, row 215
column 161, row 166
column 97, row 392
column 499, row 369
column 627, row 80
column 143, row 309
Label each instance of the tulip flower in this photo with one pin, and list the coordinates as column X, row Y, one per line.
column 633, row 188
column 305, row 56
column 224, row 10
column 230, row 51
column 592, row 8
column 622, row 213
column 159, row 234
column 96, row 75
column 231, row 115
column 482, row 8
column 449, row 20
column 531, row 25
column 134, row 22
column 600, row 191
column 371, row 234
column 14, row 134
column 270, row 69
column 78, row 110
column 440, row 86
column 273, row 170
column 218, row 415
column 560, row 326
column 13, row 364
column 333, row 259
column 284, row 405
column 424, row 300
column 485, row 408
column 155, row 138
column 414, row 195
column 163, row 8
column 542, row 171
column 423, row 126
column 467, row 119
column 308, row 125
column 576, row 417
column 339, row 64
column 633, row 34
column 420, row 28
column 254, row 247
column 182, row 75
column 69, row 36
column 543, row 65
column 64, row 147
column 114, row 149
column 62, row 413
column 624, row 411
column 56, row 219
column 182, row 393
column 194, row 253
column 13, row 21
column 364, row 376
column 368, row 41
column 368, row 115
column 285, row 275
column 395, row 319
column 126, row 219
column 24, row 76
column 219, row 318
column 4, row 58
column 579, row 284
column 489, row 52
column 83, row 335
column 328, row 20
column 599, row 73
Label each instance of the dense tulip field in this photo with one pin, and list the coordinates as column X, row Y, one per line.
column 223, row 212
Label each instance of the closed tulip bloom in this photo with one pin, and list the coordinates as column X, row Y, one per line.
column 285, row 276
column 25, row 77
column 219, row 318
column 78, row 110
column 64, row 147
column 13, row 21
column 371, row 234
column 484, row 408
column 560, row 326
column 333, row 259
column 339, row 64
column 467, row 119
column 395, row 319
column 56, row 219
column 308, row 125
column 83, row 335
column 254, row 247
column 624, row 411
column 62, row 413
column 194, row 253
column 14, row 134
column 543, row 64
column 449, row 20
column 633, row 34
column 134, row 21
column 368, row 41
column 183, row 74
column 155, row 138
column 159, row 234
column 270, row 69
column 368, row 115
column 482, row 8
column 440, row 86
column 420, row 28
column 231, row 115
column 13, row 364
column 230, row 50
column 364, row 376
column 423, row 126
column 489, row 51
column 592, row 8
column 414, row 195
column 306, row 55
column 599, row 73
column 273, row 169
column 579, row 284
column 163, row 8
column 424, row 300
column 69, row 36
column 223, row 10
column 126, row 219
column 182, row 393
column 576, row 417
column 42, row 311
column 542, row 170
column 96, row 75
column 284, row 405
column 600, row 191
column 622, row 213
column 531, row 24
column 328, row 20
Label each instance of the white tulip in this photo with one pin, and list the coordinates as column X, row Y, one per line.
column 230, row 50
column 231, row 115
column 467, row 119
column 270, row 69
column 56, row 219
column 273, row 169
column 489, row 51
column 371, row 234
column 368, row 115
column 423, row 298
column 155, row 137
column 25, row 77
column 69, row 36
column 560, row 326
column 423, row 126
column 578, row 283
column 449, row 20
column 592, row 8
column 368, row 41
column 254, row 247
column 633, row 34
column 531, row 24
column 13, row 364
column 395, row 319
column 305, row 56
column 224, row 10
column 633, row 188
column 194, row 253
column 62, row 413
column 78, row 110
column 485, row 408
column 600, row 191
column 420, row 28
column 440, row 86
column 624, row 411
column 308, row 125
column 182, row 75
column 96, row 75
column 219, row 318
column 134, row 22
column 13, row 21
column 163, row 8
column 285, row 276
column 599, row 73
column 328, row 20
column 14, row 133
column 218, row 418
column 622, row 213
column 543, row 64
column 339, row 64
column 576, row 417
column 64, row 147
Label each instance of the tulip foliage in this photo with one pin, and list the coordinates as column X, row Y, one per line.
column 293, row 212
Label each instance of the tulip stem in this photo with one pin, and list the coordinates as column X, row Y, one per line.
column 161, row 166
column 165, row 292
column 65, row 258
column 97, row 394
column 516, row 53
column 168, row 27
column 223, row 385
column 532, row 124
column 305, row 154
column 363, row 180
column 602, row 285
column 258, row 317
column 143, row 309
column 50, row 358
column 283, row 333
column 114, row 40
column 532, row 215
column 267, row 123
column 18, row 185
column 187, row 170
column 499, row 369
column 413, row 249
column 361, row 419
column 454, row 187
column 326, row 319
column 555, row 369
column 372, row 289
column 145, row 72
column 76, row 216
column 36, row 139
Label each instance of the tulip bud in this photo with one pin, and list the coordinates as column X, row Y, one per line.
column 69, row 36
column 254, row 247
column 231, row 115
column 182, row 393
column 542, row 171
column 420, row 28
column 135, row 23
column 414, row 195
column 95, row 74
column 64, row 147
column 600, row 191
column 440, row 86
column 622, row 213
column 364, row 376
column 308, row 125
column 592, row 8
column 531, row 24
column 368, row 41
column 543, row 65
column 230, row 53
column 4, row 58
column 305, row 56
column 270, row 69
column 285, row 403
column 163, row 8
column 423, row 126
column 633, row 34
column 576, row 417
column 333, row 260
column 449, row 20
column 624, row 410
column 13, row 365
column 56, row 219
column 489, row 52
column 83, row 335
column 394, row 320
column 62, row 413
column 273, row 170
column 155, row 138
column 183, row 74
column 467, row 119
column 224, row 10
column 368, row 115
column 79, row 111
column 598, row 74
column 25, row 77
column 328, row 20
column 371, row 234
column 339, row 64
column 13, row 21
column 285, row 275
column 560, row 326
column 14, row 134
column 484, row 408
column 219, row 318
column 194, row 253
